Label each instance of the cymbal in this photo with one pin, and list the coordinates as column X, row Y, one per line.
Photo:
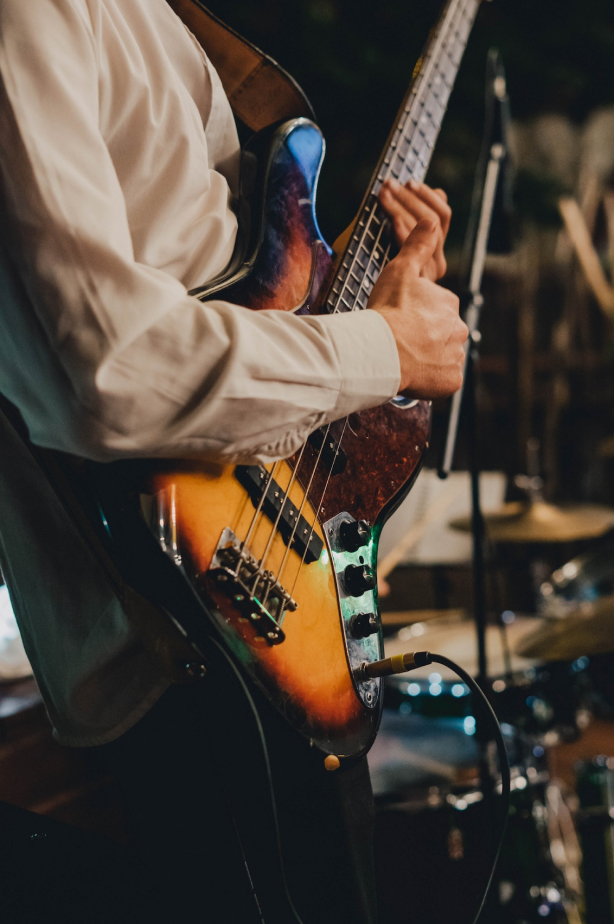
column 588, row 630
column 410, row 617
column 456, row 639
column 543, row 522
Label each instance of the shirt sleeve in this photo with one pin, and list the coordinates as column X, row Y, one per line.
column 107, row 357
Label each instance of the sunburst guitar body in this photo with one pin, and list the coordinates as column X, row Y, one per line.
column 280, row 560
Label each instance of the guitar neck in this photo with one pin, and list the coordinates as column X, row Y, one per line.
column 407, row 155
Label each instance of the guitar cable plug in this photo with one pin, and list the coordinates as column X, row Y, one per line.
column 397, row 664
column 403, row 663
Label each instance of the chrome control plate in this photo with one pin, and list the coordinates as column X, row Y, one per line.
column 364, row 649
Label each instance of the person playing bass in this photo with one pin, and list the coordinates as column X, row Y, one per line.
column 119, row 164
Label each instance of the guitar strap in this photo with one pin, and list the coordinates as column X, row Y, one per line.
column 258, row 89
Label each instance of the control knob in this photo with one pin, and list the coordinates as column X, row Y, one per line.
column 362, row 625
column 354, row 534
column 358, row 579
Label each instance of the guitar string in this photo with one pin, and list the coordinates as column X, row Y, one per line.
column 306, row 494
column 260, row 505
column 413, row 102
column 298, row 513
column 330, row 472
column 336, row 310
column 356, row 304
column 355, row 299
column 292, row 537
column 313, row 525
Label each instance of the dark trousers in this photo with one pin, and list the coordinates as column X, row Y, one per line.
column 186, row 841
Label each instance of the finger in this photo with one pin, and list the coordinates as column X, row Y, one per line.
column 404, row 208
column 401, row 197
column 437, row 266
column 434, row 270
column 402, row 221
column 439, row 259
column 436, row 199
column 420, row 246
column 402, row 227
column 407, row 205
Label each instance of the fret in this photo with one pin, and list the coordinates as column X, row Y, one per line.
column 352, row 286
column 362, row 300
column 407, row 155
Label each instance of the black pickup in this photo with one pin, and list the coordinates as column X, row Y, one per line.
column 329, row 450
column 291, row 526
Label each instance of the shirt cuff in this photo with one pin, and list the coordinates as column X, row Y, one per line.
column 369, row 366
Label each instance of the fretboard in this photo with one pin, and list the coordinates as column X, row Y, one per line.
column 407, row 154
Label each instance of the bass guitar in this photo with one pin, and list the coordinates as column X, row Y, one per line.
column 278, row 562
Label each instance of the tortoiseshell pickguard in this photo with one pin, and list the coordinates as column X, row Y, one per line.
column 384, row 445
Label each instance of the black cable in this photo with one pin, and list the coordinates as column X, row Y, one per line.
column 400, row 664
column 503, row 762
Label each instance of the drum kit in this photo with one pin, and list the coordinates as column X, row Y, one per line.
column 550, row 674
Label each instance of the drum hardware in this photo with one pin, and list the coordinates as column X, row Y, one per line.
column 437, row 833
column 538, row 703
column 488, row 182
column 565, row 849
column 595, row 788
column 584, row 579
column 403, row 663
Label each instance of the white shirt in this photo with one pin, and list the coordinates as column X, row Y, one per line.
column 118, row 158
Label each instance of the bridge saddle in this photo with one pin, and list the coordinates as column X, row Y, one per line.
column 255, row 592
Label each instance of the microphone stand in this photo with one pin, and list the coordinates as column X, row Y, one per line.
column 474, row 303
column 476, row 249
column 488, row 186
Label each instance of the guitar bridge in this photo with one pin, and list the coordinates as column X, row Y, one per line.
column 256, row 593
